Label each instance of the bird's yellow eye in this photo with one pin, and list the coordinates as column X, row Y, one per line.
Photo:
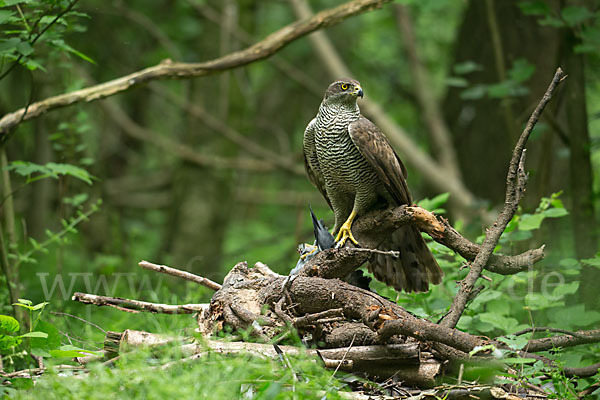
column 344, row 86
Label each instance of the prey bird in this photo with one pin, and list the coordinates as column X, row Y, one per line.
column 356, row 170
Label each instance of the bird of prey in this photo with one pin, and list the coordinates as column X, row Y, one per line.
column 356, row 170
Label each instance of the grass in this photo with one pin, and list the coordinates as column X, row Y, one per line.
column 137, row 376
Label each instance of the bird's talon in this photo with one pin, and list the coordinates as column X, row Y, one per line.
column 344, row 234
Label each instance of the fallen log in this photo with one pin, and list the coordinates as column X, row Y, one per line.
column 405, row 361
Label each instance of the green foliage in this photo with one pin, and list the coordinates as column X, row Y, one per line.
column 521, row 225
column 27, row 28
column 34, row 172
column 42, row 339
column 214, row 376
column 520, row 72
column 584, row 22
column 435, row 205
column 61, row 237
column 86, row 142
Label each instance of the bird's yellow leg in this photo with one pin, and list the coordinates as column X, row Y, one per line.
column 345, row 232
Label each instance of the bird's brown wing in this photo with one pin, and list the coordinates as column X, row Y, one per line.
column 311, row 162
column 374, row 146
column 416, row 268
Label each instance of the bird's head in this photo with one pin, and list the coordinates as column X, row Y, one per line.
column 343, row 91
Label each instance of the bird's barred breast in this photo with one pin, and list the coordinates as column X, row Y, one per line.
column 342, row 165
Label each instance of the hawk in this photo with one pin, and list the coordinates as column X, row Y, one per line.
column 356, row 170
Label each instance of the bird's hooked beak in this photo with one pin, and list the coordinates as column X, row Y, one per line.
column 358, row 92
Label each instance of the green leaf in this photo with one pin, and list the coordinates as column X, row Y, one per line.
column 9, row 45
column 552, row 21
column 537, row 301
column 76, row 200
column 455, row 81
column 8, row 342
column 40, row 305
column 40, row 352
column 474, row 93
column 530, row 222
column 593, row 262
column 5, row 15
column 575, row 316
column 35, row 334
column 467, row 67
column 555, row 212
column 6, row 3
column 519, row 360
column 574, row 15
column 500, row 90
column 537, row 7
column 434, row 204
column 521, row 70
column 70, row 170
column 505, row 324
column 8, row 324
column 22, row 383
column 72, row 351
column 567, row 288
column 32, row 65
column 570, row 263
column 24, row 48
column 52, row 340
column 514, row 342
column 25, row 301
column 26, row 168
column 62, row 45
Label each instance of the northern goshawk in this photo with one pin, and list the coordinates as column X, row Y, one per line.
column 356, row 170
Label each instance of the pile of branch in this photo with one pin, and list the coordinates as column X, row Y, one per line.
column 357, row 330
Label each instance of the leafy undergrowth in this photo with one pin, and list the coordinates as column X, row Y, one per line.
column 138, row 375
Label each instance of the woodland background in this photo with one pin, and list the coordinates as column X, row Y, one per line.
column 203, row 173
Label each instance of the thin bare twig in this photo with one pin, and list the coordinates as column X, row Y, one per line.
column 391, row 253
column 180, row 274
column 343, row 358
column 515, row 187
column 536, row 329
column 78, row 318
column 568, row 340
column 137, row 305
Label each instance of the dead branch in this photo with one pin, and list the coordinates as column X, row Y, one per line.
column 29, row 373
column 180, row 274
column 253, row 289
column 515, row 186
column 372, row 228
column 404, row 360
column 178, row 70
column 579, row 338
column 136, row 305
column 539, row 329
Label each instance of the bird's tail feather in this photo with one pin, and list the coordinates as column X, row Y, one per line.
column 416, row 267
